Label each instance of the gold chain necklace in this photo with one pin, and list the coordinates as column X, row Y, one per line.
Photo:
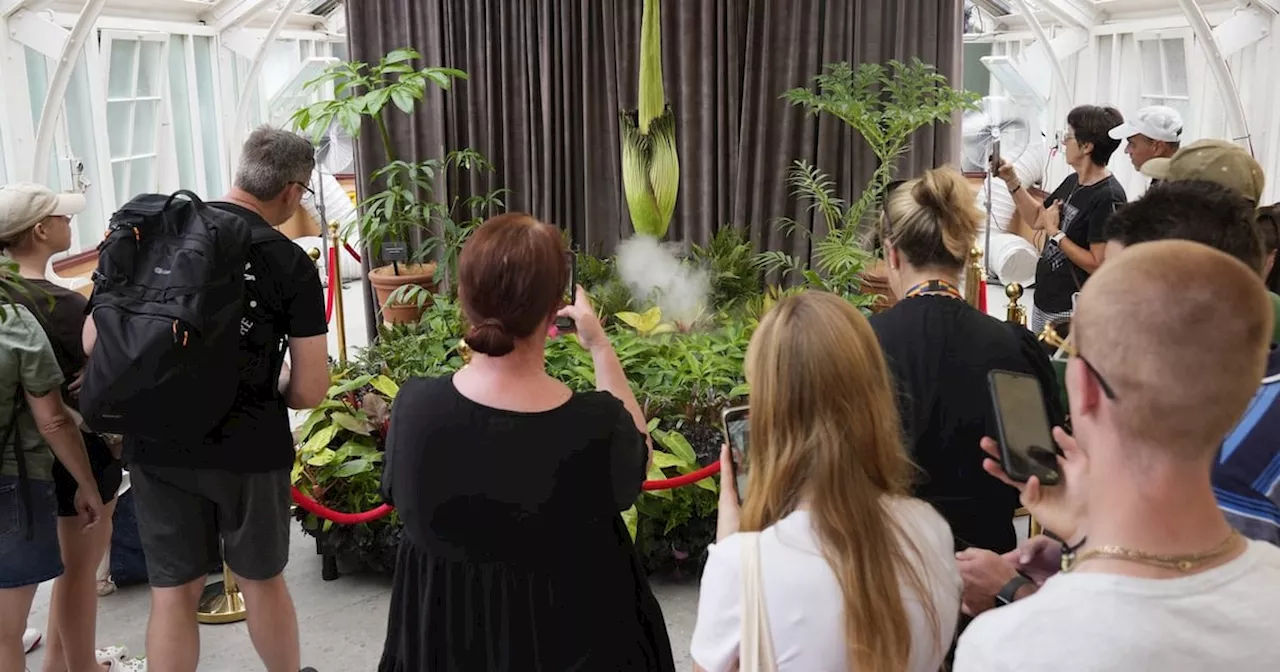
column 1181, row 563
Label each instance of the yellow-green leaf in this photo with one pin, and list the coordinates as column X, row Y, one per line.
column 320, row 439
column 679, row 446
column 664, row 460
column 322, row 458
column 386, row 386
column 631, row 517
column 351, row 423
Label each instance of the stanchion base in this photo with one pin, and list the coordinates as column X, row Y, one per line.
column 218, row 607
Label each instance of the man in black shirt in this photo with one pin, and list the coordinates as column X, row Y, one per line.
column 233, row 487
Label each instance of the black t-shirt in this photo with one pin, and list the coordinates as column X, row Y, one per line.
column 513, row 547
column 283, row 288
column 939, row 351
column 1084, row 211
column 63, row 323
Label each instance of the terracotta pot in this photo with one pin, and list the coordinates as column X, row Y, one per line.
column 385, row 282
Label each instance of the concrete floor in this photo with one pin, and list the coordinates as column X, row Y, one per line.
column 341, row 623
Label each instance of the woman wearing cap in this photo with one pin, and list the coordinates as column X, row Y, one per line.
column 35, row 425
column 1153, row 133
column 35, row 224
column 1073, row 214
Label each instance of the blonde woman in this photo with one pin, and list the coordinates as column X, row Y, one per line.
column 940, row 349
column 856, row 574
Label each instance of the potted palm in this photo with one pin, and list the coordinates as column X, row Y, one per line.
column 395, row 223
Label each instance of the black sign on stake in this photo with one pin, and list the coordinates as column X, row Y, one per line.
column 395, row 253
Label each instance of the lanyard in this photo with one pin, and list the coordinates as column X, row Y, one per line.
column 939, row 287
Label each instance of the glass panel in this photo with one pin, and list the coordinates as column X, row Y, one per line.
column 142, row 176
column 1175, row 53
column 37, row 83
column 281, row 62
column 1103, row 52
column 1152, row 77
column 120, row 79
column 180, row 95
column 209, row 129
column 150, row 68
column 340, row 50
column 78, row 109
column 119, row 173
column 144, row 127
column 118, row 128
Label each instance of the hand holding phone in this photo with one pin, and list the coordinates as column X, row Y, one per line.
column 564, row 323
column 1026, row 439
column 737, row 433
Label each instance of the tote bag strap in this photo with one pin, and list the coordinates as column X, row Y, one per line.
column 755, row 652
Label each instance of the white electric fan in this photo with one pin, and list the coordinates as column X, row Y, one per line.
column 999, row 127
column 335, row 152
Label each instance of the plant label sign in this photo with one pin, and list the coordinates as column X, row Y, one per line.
column 394, row 252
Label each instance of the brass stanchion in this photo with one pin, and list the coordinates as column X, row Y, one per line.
column 339, row 321
column 973, row 278
column 1016, row 313
column 221, row 602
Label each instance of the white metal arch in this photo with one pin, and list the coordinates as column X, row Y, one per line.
column 58, row 84
column 1221, row 73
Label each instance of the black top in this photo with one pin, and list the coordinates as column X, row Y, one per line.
column 514, row 556
column 63, row 323
column 939, row 350
column 1084, row 211
column 255, row 435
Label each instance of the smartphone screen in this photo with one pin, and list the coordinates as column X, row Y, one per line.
column 737, row 432
column 570, row 291
column 1026, row 439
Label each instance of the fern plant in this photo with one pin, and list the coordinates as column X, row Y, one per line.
column 885, row 105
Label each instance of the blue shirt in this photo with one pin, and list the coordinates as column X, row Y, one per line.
column 1246, row 477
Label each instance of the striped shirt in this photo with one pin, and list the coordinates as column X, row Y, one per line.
column 1246, row 477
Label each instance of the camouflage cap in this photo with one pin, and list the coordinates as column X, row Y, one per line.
column 1218, row 161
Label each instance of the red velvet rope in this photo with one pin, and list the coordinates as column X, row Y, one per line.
column 312, row 506
column 333, row 275
column 350, row 250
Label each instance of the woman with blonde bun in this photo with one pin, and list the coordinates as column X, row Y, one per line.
column 940, row 350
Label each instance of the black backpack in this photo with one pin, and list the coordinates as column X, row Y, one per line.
column 168, row 304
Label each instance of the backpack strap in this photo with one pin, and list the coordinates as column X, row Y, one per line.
column 24, row 483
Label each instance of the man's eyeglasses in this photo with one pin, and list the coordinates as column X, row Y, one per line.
column 307, row 193
column 1069, row 349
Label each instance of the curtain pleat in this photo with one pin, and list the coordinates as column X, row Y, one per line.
column 547, row 79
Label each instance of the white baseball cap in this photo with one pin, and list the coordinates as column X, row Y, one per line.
column 1157, row 123
column 24, row 204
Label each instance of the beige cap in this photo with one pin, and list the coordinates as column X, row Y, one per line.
column 24, row 204
column 1218, row 161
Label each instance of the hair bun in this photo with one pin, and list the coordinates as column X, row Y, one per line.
column 490, row 337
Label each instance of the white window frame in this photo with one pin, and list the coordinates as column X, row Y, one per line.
column 1147, row 93
column 163, row 125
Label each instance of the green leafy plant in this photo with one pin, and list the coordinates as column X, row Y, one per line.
column 885, row 105
column 650, row 165
column 649, row 323
column 731, row 264
column 365, row 90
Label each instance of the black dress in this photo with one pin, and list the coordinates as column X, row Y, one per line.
column 514, row 555
column 939, row 350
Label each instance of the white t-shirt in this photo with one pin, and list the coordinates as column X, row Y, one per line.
column 803, row 598
column 1224, row 619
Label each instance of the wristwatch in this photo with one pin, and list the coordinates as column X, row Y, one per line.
column 1006, row 594
column 1057, row 238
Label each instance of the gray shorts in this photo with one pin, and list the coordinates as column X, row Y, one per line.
column 183, row 513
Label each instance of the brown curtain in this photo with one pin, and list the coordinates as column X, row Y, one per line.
column 548, row 77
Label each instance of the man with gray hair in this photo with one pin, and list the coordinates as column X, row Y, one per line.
column 227, row 497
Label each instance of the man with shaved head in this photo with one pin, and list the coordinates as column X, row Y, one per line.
column 1171, row 338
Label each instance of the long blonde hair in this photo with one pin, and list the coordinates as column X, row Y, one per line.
column 825, row 432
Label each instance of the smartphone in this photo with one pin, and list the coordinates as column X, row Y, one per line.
column 1026, row 439
column 737, row 431
column 564, row 324
column 995, row 155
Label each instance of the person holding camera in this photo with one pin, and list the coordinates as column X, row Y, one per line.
column 1148, row 556
column 829, row 564
column 1073, row 215
column 510, row 485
